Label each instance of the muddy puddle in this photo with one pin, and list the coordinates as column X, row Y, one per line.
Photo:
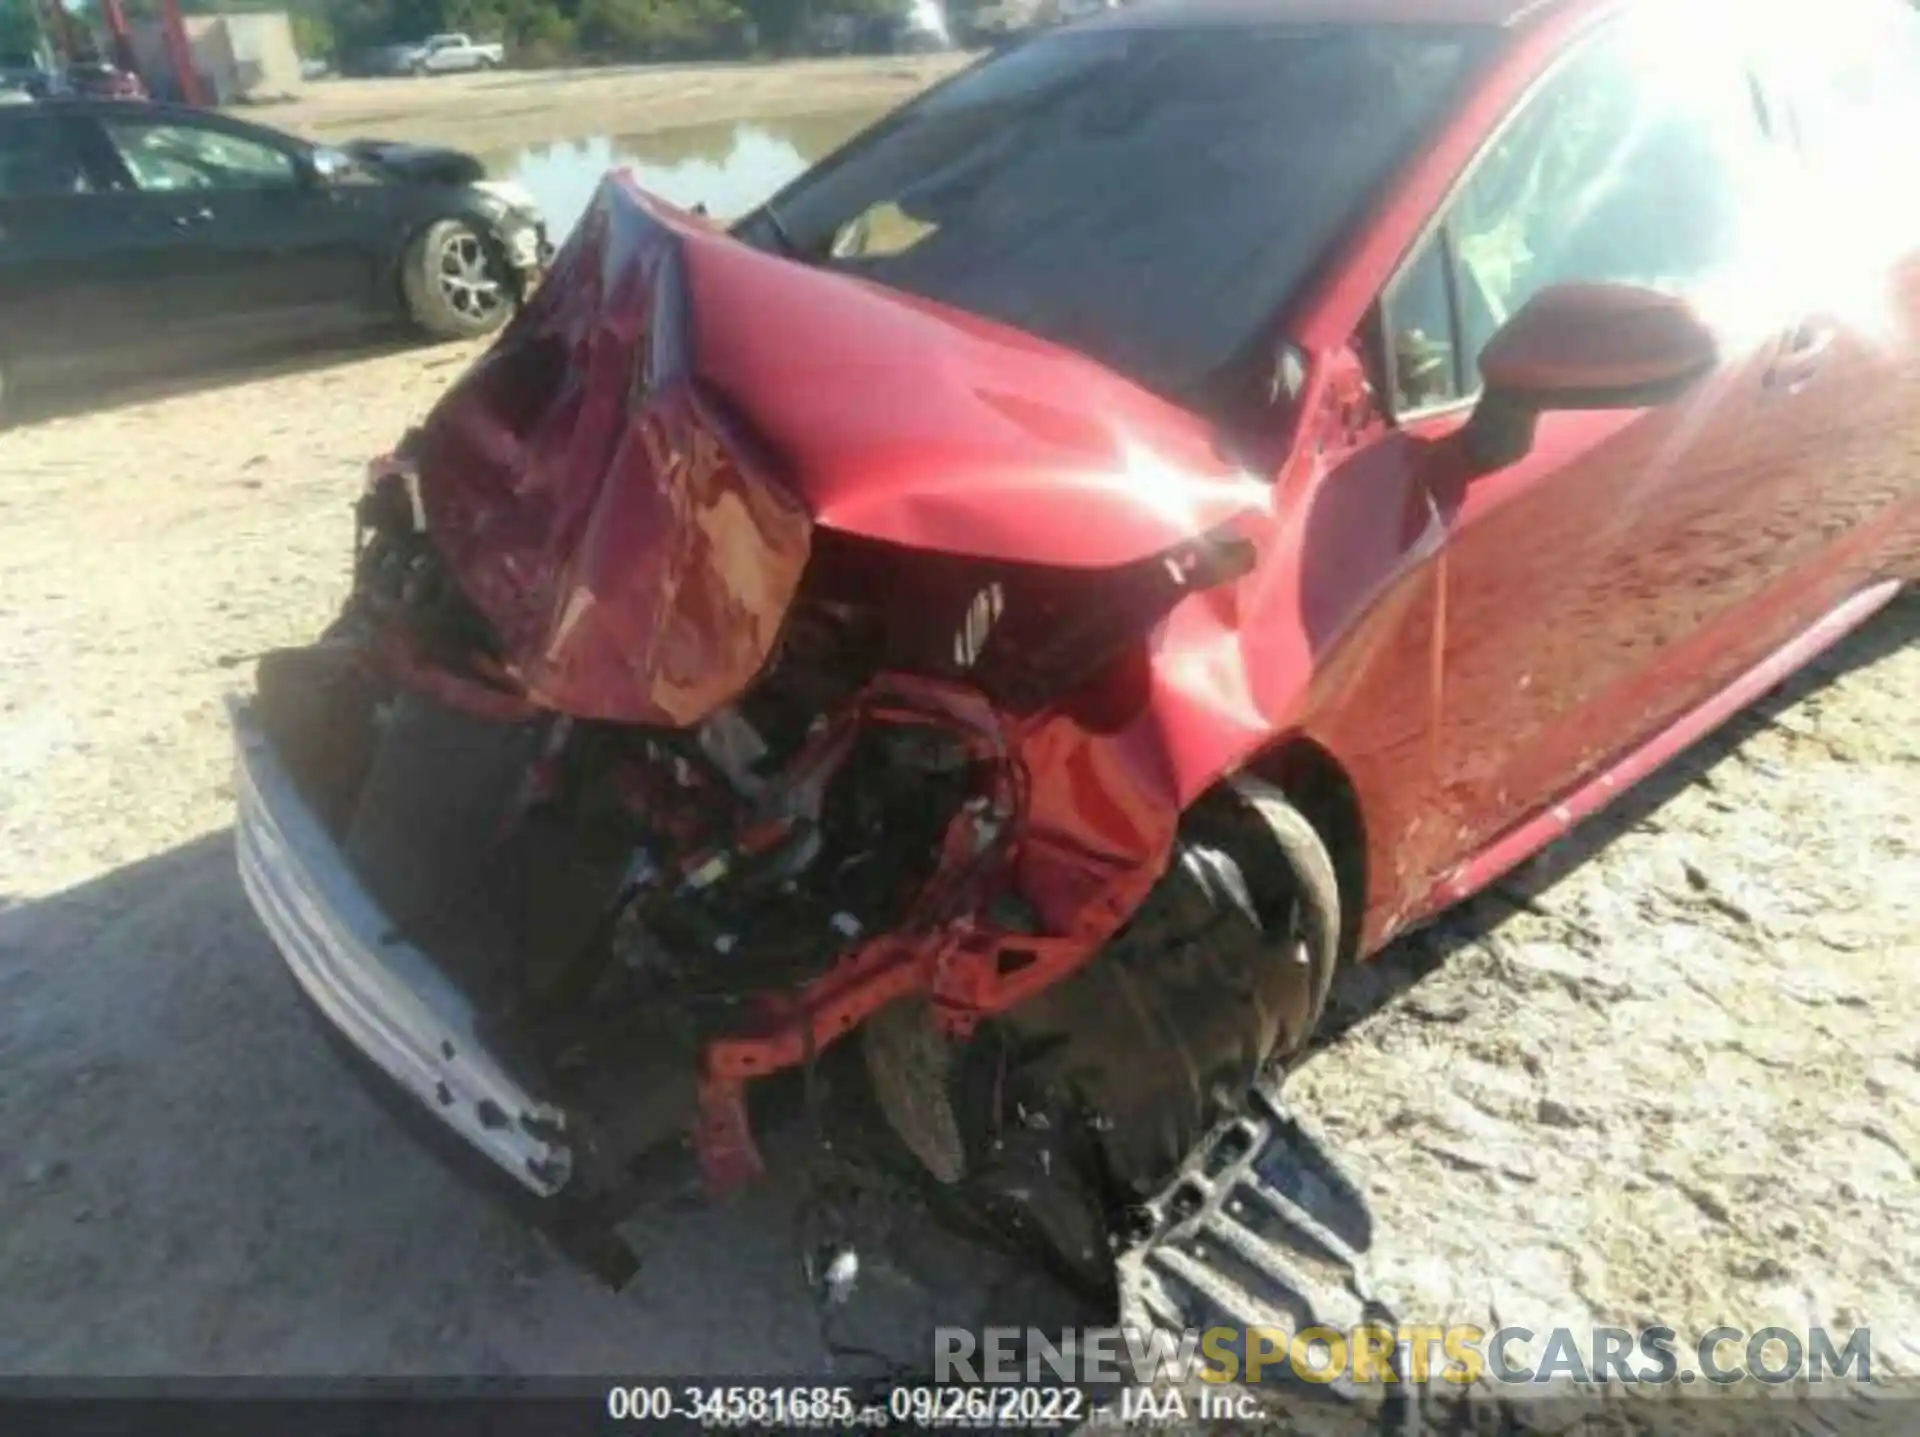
column 729, row 168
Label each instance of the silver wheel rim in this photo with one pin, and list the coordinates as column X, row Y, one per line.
column 466, row 277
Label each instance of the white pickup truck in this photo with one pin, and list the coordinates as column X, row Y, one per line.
column 445, row 54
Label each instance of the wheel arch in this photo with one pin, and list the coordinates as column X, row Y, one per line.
column 1316, row 784
column 1221, row 975
column 401, row 241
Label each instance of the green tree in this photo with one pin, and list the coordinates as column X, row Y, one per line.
column 545, row 31
column 313, row 33
column 19, row 35
column 660, row 29
column 782, row 25
column 541, row 35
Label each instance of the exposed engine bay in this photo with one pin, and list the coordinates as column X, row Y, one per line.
column 730, row 897
column 746, row 853
column 673, row 733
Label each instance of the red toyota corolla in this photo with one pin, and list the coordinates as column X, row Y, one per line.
column 1171, row 508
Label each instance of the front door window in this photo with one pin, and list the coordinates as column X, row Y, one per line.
column 169, row 157
column 1624, row 168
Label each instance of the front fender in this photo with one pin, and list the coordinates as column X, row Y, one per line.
column 1114, row 766
column 1330, row 638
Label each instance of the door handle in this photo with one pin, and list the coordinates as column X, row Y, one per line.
column 187, row 219
column 1797, row 358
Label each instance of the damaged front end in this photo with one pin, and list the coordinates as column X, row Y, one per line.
column 655, row 750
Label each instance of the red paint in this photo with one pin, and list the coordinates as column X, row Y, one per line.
column 1590, row 337
column 968, row 436
column 723, row 1142
column 629, row 545
column 626, row 485
column 943, row 948
column 1556, row 821
column 121, row 37
column 180, row 53
column 631, row 485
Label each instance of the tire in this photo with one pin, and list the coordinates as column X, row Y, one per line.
column 1221, row 975
column 1083, row 1102
column 435, row 307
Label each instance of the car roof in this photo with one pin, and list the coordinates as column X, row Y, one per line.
column 1501, row 13
column 97, row 104
column 157, row 110
column 96, row 107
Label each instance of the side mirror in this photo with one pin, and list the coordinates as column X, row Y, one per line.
column 1584, row 346
column 325, row 167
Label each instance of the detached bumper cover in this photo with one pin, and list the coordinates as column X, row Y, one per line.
column 383, row 994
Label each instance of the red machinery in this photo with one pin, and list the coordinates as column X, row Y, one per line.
column 73, row 43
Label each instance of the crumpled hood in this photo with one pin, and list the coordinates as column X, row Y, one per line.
column 428, row 164
column 627, row 483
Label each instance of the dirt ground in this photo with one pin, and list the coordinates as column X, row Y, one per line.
column 1668, row 1074
column 493, row 111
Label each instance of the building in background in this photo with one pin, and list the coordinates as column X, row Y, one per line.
column 239, row 58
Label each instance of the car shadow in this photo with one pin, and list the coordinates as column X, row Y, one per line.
column 190, row 1182
column 1363, row 990
column 100, row 394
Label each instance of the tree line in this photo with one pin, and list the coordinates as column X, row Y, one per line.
column 535, row 32
column 544, row 31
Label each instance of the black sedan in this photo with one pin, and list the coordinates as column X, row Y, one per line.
column 137, row 238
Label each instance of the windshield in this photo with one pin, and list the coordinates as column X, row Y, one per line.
column 1149, row 197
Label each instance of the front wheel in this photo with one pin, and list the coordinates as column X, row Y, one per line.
column 1071, row 1110
column 455, row 282
column 1221, row 974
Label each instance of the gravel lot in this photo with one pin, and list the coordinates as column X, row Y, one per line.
column 1671, row 1073
column 491, row 111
